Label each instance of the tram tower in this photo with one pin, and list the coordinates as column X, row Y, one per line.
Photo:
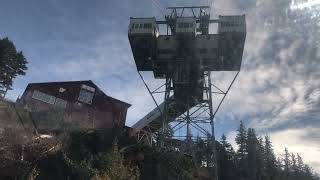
column 184, row 57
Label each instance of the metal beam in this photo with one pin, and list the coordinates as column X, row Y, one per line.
column 189, row 7
column 154, row 100
column 197, row 21
column 226, row 94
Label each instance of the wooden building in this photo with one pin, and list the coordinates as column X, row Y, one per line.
column 72, row 105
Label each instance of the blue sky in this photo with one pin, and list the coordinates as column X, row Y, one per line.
column 277, row 92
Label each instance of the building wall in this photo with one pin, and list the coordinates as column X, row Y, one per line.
column 76, row 115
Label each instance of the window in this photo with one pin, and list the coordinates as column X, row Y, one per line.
column 86, row 94
column 136, row 26
column 147, row 26
column 61, row 103
column 186, row 25
column 88, row 88
column 37, row 95
column 140, row 26
column 180, row 25
column 43, row 97
column 230, row 23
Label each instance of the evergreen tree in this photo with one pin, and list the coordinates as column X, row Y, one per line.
column 279, row 169
column 12, row 63
column 252, row 154
column 255, row 160
column 287, row 164
column 270, row 160
column 307, row 172
column 242, row 153
column 200, row 151
column 294, row 167
column 228, row 148
column 226, row 160
column 300, row 166
column 260, row 159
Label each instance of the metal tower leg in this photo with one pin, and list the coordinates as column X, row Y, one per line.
column 188, row 135
column 196, row 118
column 213, row 139
column 166, row 112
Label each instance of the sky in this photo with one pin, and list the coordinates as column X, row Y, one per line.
column 277, row 91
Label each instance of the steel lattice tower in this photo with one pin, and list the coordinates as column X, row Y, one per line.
column 184, row 57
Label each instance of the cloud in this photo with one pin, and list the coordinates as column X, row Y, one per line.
column 276, row 85
column 231, row 138
column 302, row 141
column 112, row 67
column 277, row 90
column 298, row 140
column 278, row 72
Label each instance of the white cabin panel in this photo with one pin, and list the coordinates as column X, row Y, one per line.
column 143, row 26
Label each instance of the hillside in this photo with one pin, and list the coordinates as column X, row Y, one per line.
column 104, row 154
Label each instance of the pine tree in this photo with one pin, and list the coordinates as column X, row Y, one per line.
column 12, row 63
column 242, row 153
column 270, row 160
column 260, row 159
column 254, row 160
column 307, row 172
column 287, row 164
column 200, row 151
column 279, row 166
column 226, row 160
column 300, row 166
column 252, row 156
column 294, row 167
column 227, row 146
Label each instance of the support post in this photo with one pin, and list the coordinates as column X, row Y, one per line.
column 166, row 103
column 188, row 130
column 213, row 139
